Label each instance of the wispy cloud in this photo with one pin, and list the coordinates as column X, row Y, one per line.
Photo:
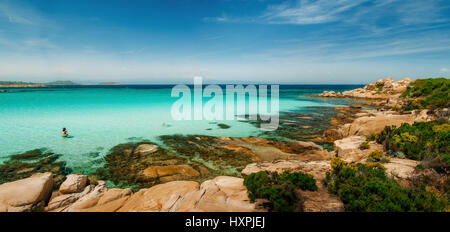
column 309, row 12
column 444, row 70
column 363, row 12
column 10, row 12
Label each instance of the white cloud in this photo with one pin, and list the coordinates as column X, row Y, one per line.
column 444, row 70
column 309, row 12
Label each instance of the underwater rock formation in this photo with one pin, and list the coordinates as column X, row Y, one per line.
column 23, row 165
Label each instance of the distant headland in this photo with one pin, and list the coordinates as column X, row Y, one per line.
column 22, row 84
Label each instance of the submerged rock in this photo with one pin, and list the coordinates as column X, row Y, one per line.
column 171, row 172
column 141, row 165
column 24, row 165
column 26, row 194
column 211, row 152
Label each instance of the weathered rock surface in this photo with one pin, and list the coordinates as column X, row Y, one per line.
column 146, row 149
column 73, row 184
column 349, row 149
column 222, row 194
column 266, row 150
column 23, row 195
column 401, row 168
column 377, row 121
column 382, row 89
column 98, row 198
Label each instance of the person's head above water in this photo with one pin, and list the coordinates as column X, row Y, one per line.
column 64, row 129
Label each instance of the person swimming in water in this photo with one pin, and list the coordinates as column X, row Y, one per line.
column 64, row 132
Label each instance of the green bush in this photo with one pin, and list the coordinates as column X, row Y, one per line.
column 428, row 94
column 378, row 156
column 366, row 188
column 279, row 190
column 364, row 145
column 418, row 141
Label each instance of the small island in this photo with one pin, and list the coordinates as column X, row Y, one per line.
column 22, row 84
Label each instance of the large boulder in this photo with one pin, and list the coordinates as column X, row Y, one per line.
column 377, row 121
column 401, row 168
column 160, row 197
column 73, row 184
column 97, row 198
column 350, row 151
column 23, row 195
column 348, row 148
column 222, row 194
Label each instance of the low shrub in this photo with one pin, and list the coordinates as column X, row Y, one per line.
column 364, row 145
column 431, row 93
column 366, row 188
column 279, row 190
column 417, row 141
column 378, row 156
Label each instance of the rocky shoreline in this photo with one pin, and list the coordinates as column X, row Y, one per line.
column 192, row 181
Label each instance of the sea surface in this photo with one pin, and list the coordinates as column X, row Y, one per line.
column 100, row 117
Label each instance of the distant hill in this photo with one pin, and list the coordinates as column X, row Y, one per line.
column 109, row 83
column 6, row 84
column 16, row 83
column 61, row 83
column 19, row 84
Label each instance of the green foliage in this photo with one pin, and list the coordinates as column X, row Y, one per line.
column 428, row 94
column 418, row 141
column 421, row 167
column 299, row 180
column 364, row 145
column 378, row 156
column 366, row 188
column 279, row 190
column 380, row 86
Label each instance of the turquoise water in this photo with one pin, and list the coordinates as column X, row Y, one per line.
column 99, row 118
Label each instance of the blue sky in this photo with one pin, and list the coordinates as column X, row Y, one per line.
column 336, row 41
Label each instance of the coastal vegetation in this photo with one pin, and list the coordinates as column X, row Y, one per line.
column 431, row 93
column 422, row 140
column 378, row 156
column 367, row 188
column 279, row 189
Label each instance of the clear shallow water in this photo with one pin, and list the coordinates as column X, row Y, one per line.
column 100, row 117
